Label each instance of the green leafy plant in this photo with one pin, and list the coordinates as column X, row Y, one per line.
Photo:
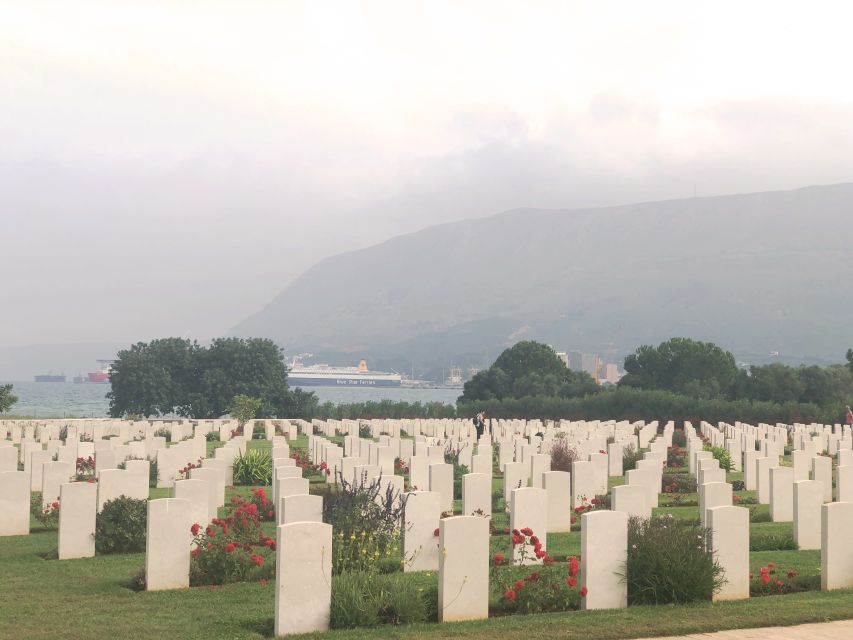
column 562, row 454
column 212, row 436
column 121, row 525
column 244, row 408
column 253, row 467
column 369, row 600
column 669, row 562
column 678, row 483
column 163, row 432
column 721, row 455
column 367, row 525
column 631, row 455
column 47, row 516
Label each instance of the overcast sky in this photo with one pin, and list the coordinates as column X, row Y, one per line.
column 167, row 167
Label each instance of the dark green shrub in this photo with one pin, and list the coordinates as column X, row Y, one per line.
column 368, row 600
column 669, row 562
column 679, row 438
column 152, row 472
column 630, row 456
column 253, row 468
column 738, row 485
column 212, row 436
column 259, row 432
column 121, row 526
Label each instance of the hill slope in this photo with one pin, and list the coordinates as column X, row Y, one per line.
column 755, row 273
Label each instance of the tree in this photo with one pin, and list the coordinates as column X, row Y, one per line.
column 528, row 369
column 682, row 365
column 243, row 408
column 7, row 398
column 178, row 376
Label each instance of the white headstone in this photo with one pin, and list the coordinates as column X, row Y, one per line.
column 463, row 573
column 303, row 577
column 77, row 516
column 604, row 554
column 167, row 547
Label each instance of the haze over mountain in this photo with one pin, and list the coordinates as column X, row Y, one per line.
column 756, row 273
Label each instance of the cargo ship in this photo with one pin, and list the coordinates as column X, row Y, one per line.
column 49, row 377
column 102, row 376
column 323, row 375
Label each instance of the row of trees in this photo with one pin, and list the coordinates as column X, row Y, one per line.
column 180, row 377
column 676, row 378
column 702, row 370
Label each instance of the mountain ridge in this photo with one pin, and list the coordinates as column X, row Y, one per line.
column 737, row 269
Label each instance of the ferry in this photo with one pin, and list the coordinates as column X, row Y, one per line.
column 323, row 375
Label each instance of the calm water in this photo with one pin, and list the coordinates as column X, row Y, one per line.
column 66, row 399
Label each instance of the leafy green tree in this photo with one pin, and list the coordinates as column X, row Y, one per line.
column 7, row 398
column 244, row 408
column 177, row 376
column 140, row 383
column 528, row 369
column 682, row 365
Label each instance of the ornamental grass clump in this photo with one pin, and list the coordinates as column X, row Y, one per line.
column 232, row 549
column 631, row 455
column 253, row 468
column 370, row 600
column 121, row 526
column 669, row 562
column 547, row 587
column 367, row 525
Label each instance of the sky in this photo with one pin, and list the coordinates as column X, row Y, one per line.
column 166, row 168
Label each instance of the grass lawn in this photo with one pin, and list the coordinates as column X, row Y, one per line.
column 86, row 599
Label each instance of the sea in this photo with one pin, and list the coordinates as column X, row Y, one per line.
column 70, row 400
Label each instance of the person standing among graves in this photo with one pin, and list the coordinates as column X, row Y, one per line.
column 480, row 423
column 848, row 419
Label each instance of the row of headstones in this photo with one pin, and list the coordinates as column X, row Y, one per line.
column 126, row 432
column 790, row 500
column 498, row 429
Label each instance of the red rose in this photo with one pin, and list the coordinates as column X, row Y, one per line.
column 54, row 505
column 584, row 592
column 230, row 547
column 209, row 546
column 210, row 531
column 509, row 595
column 574, row 566
column 572, row 582
column 518, row 584
column 765, row 578
column 499, row 558
column 195, row 529
column 534, row 540
column 527, row 531
column 244, row 522
column 435, row 533
column 574, row 520
column 195, row 552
